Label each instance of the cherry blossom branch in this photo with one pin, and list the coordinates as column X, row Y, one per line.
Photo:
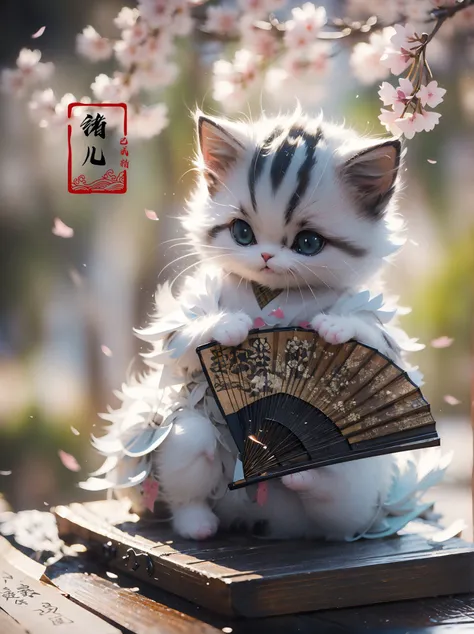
column 272, row 50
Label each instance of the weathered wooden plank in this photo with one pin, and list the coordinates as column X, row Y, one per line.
column 248, row 577
column 128, row 609
column 445, row 573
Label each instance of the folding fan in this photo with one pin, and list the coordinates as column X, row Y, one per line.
column 293, row 402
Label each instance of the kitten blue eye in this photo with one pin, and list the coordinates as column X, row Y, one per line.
column 308, row 243
column 242, row 233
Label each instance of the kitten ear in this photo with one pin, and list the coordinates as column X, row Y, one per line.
column 372, row 175
column 220, row 150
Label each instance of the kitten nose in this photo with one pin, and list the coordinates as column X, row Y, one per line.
column 266, row 256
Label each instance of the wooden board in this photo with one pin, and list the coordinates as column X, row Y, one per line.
column 241, row 576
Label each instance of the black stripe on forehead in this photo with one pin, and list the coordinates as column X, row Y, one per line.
column 283, row 156
column 258, row 162
column 304, row 173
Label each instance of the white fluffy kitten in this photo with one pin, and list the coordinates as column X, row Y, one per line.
column 301, row 207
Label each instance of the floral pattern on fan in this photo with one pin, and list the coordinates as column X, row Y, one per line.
column 251, row 365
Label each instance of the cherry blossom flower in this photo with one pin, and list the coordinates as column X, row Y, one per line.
column 365, row 58
column 154, row 75
column 29, row 72
column 182, row 23
column 126, row 18
column 399, row 54
column 259, row 41
column 388, row 118
column 221, row 20
column 410, row 124
column 305, row 25
column 431, row 95
column 158, row 13
column 137, row 33
column 429, row 120
column 257, row 8
column 93, row 46
column 232, row 79
column 127, row 53
column 398, row 97
column 148, row 121
column 112, row 89
column 42, row 106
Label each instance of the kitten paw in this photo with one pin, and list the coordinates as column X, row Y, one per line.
column 232, row 329
column 301, row 481
column 195, row 521
column 335, row 328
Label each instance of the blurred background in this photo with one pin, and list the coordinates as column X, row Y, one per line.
column 68, row 306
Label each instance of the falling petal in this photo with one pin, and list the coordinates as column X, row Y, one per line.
column 111, row 575
column 150, row 493
column 38, row 33
column 68, row 461
column 451, row 400
column 62, row 230
column 75, row 431
column 432, row 161
column 304, row 324
column 414, row 242
column 5, row 473
column 106, row 350
column 262, row 493
column 258, row 323
column 442, row 342
column 151, row 215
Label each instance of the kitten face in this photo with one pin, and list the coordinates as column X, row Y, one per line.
column 291, row 202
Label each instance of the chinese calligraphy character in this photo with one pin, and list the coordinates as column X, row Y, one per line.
column 6, row 576
column 8, row 594
column 94, row 160
column 124, row 163
column 55, row 617
column 94, row 125
column 47, row 608
column 25, row 591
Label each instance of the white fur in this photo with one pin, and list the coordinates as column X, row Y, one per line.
column 193, row 466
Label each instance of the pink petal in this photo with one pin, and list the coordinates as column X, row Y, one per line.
column 451, row 400
column 68, row 461
column 278, row 313
column 106, row 350
column 150, row 493
column 62, row 230
column 304, row 324
column 258, row 323
column 151, row 215
column 442, row 342
column 432, row 161
column 262, row 493
column 38, row 33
